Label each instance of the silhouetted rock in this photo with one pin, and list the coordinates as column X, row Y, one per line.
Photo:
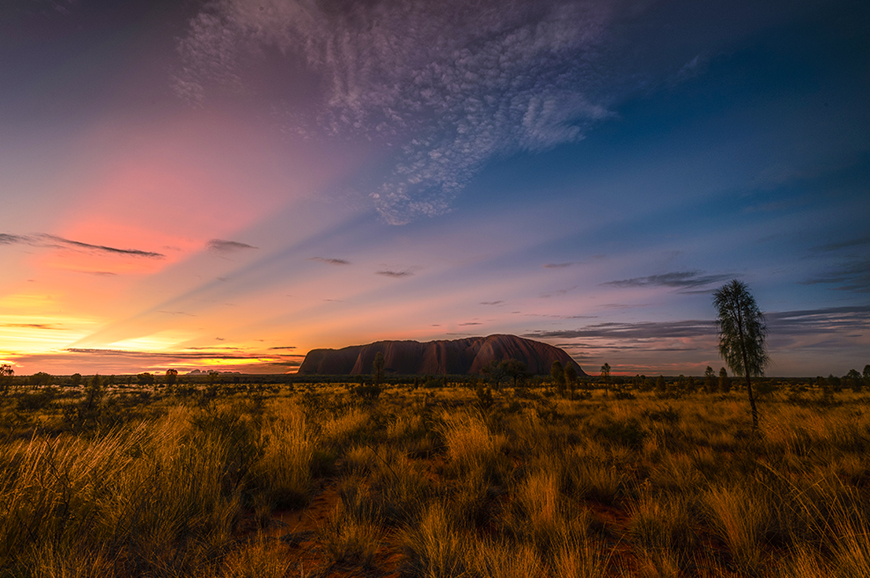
column 458, row 356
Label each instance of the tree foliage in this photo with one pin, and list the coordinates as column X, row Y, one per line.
column 742, row 331
column 605, row 377
column 378, row 368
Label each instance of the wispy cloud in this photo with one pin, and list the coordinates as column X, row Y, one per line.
column 557, row 265
column 634, row 331
column 818, row 321
column 46, row 326
column 7, row 239
column 46, row 240
column 853, row 276
column 836, row 320
column 855, row 242
column 491, row 302
column 678, row 279
column 557, row 293
column 224, row 247
column 330, row 261
column 102, row 248
column 395, row 274
column 449, row 85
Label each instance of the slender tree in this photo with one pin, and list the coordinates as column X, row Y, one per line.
column 742, row 331
column 570, row 375
column 378, row 368
column 724, row 381
column 709, row 380
column 605, row 377
column 557, row 374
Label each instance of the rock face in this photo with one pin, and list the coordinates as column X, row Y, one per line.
column 459, row 356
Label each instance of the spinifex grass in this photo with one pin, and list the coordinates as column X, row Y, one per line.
column 207, row 482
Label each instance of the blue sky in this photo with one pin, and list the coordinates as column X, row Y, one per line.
column 233, row 183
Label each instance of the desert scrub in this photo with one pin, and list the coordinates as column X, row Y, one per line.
column 345, row 428
column 664, row 529
column 435, row 548
column 542, row 515
column 153, row 495
column 740, row 517
column 471, row 446
column 283, row 471
column 349, row 538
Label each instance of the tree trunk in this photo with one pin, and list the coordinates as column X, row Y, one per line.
column 746, row 369
column 751, row 395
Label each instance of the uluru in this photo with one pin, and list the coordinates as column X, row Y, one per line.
column 458, row 356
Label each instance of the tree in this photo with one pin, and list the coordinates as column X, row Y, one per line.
column 605, row 376
column 6, row 373
column 145, row 379
column 516, row 370
column 853, row 380
column 40, row 378
column 742, row 331
column 557, row 373
column 724, row 381
column 75, row 379
column 171, row 377
column 570, row 378
column 378, row 368
column 709, row 380
column 496, row 371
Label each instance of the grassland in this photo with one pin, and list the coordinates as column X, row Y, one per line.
column 324, row 480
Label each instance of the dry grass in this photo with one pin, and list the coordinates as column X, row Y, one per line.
column 534, row 486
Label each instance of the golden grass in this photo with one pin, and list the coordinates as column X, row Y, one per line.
column 534, row 486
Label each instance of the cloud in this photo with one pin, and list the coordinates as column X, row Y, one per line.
column 470, row 323
column 53, row 241
column 447, row 85
column 329, row 261
column 853, row 276
column 245, row 361
column 634, row 331
column 7, row 239
column 101, row 248
column 395, row 274
column 491, row 302
column 680, row 279
column 848, row 244
column 831, row 320
column 46, row 326
column 557, row 265
column 557, row 293
column 836, row 320
column 221, row 246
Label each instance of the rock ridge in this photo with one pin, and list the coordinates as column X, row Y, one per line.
column 458, row 356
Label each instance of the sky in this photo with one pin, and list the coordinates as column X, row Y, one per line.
column 228, row 184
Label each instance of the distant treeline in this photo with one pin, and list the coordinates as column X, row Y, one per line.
column 710, row 382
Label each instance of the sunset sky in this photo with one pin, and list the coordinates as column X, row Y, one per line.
column 228, row 184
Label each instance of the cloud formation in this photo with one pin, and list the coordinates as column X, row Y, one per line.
column 633, row 331
column 395, row 274
column 830, row 320
column 853, row 276
column 224, row 247
column 330, row 261
column 53, row 241
column 449, row 85
column 678, row 279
